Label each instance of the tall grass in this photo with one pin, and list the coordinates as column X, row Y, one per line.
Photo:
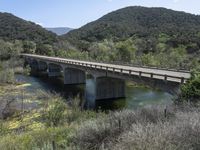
column 148, row 128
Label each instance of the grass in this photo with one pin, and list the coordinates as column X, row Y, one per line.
column 147, row 128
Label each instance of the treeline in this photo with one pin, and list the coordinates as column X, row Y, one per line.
column 137, row 51
column 10, row 49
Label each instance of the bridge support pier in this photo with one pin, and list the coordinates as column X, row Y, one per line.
column 109, row 88
column 54, row 70
column 42, row 66
column 34, row 66
column 74, row 76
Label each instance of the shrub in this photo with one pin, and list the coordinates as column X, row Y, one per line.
column 40, row 139
column 7, row 76
column 105, row 130
column 54, row 114
column 190, row 91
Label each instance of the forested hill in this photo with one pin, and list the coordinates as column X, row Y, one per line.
column 14, row 28
column 141, row 22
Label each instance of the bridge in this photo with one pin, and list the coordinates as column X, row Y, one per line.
column 109, row 78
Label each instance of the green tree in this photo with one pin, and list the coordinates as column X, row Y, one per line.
column 190, row 92
column 45, row 49
column 29, row 47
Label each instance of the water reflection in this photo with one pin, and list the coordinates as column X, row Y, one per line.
column 135, row 96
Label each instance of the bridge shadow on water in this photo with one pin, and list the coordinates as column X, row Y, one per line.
column 135, row 96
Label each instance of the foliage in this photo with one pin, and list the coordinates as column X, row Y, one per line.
column 29, row 47
column 147, row 128
column 190, row 92
column 141, row 36
column 45, row 49
column 54, row 114
column 147, row 23
column 9, row 49
column 7, row 76
column 39, row 139
column 74, row 54
column 14, row 28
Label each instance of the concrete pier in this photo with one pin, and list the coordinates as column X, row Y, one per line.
column 109, row 88
column 54, row 70
column 74, row 76
column 42, row 66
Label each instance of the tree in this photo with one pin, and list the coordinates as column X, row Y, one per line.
column 45, row 49
column 190, row 92
column 29, row 47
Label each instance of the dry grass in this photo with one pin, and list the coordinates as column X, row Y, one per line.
column 148, row 128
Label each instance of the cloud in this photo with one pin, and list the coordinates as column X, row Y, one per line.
column 39, row 23
column 109, row 0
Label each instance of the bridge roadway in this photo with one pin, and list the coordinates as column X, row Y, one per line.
column 177, row 76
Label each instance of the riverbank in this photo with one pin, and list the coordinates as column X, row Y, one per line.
column 44, row 120
column 144, row 128
column 147, row 128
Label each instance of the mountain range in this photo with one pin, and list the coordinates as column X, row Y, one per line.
column 144, row 23
column 59, row 30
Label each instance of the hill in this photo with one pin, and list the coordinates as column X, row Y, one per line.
column 14, row 28
column 59, row 30
column 141, row 22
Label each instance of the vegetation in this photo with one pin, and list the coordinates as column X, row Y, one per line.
column 145, row 23
column 134, row 35
column 14, row 28
column 141, row 36
column 190, row 92
column 146, row 128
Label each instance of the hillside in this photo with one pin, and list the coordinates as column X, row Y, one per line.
column 142, row 22
column 14, row 28
column 59, row 30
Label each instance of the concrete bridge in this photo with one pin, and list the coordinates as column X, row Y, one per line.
column 109, row 78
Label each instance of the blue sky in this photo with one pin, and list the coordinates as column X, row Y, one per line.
column 75, row 13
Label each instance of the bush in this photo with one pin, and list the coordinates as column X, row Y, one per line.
column 40, row 139
column 54, row 114
column 7, row 76
column 141, row 129
column 105, row 130
column 190, row 92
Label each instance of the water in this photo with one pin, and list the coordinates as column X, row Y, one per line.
column 135, row 96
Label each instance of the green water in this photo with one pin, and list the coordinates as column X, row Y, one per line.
column 135, row 96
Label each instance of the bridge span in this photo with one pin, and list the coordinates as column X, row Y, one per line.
column 109, row 78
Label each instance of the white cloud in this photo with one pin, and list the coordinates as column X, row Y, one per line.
column 39, row 23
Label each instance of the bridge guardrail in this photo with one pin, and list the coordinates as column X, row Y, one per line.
column 105, row 67
column 142, row 66
column 134, row 65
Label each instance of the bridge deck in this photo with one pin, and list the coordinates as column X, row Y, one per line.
column 169, row 75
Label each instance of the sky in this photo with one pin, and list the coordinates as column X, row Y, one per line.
column 76, row 13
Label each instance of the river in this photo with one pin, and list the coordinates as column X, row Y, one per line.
column 135, row 96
